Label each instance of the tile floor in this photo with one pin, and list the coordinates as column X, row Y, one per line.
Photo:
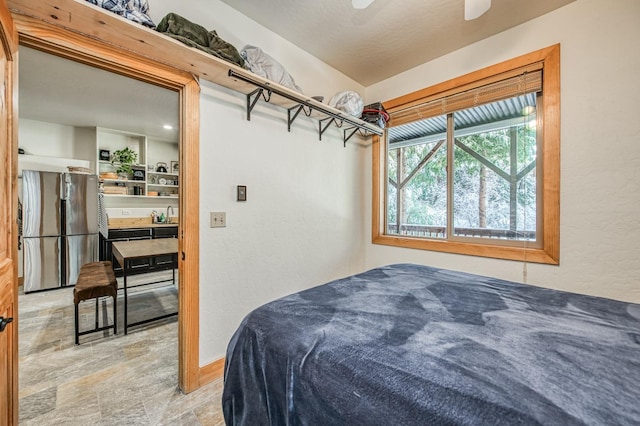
column 106, row 380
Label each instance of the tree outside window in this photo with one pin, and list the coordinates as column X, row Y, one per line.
column 476, row 170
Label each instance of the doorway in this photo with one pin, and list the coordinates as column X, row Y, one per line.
column 68, row 113
column 87, row 51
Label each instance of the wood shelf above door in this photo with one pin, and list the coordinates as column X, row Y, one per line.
column 83, row 18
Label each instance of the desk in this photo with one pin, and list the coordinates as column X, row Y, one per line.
column 125, row 251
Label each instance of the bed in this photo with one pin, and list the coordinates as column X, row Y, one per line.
column 408, row 344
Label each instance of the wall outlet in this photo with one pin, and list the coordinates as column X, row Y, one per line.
column 126, row 212
column 218, row 219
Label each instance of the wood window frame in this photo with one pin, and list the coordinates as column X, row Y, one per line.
column 549, row 131
column 88, row 50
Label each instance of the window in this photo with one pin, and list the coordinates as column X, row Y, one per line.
column 471, row 166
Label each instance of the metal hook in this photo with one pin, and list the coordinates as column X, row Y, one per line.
column 298, row 108
column 252, row 103
column 322, row 130
column 291, row 119
column 256, row 96
column 345, row 137
column 303, row 105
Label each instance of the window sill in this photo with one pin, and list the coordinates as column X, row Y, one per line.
column 533, row 255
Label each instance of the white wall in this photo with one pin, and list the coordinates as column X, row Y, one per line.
column 302, row 223
column 600, row 146
column 307, row 218
column 47, row 139
column 161, row 151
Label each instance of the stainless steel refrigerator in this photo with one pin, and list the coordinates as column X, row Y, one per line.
column 59, row 227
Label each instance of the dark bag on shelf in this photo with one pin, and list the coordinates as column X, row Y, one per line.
column 197, row 36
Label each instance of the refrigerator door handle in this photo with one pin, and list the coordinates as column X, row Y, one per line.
column 64, row 186
column 63, row 243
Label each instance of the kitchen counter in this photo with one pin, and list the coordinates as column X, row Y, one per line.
column 147, row 225
column 138, row 222
column 138, row 229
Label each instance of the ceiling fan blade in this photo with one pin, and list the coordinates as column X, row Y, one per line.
column 475, row 8
column 361, row 4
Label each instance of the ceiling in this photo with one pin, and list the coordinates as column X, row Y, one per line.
column 388, row 37
column 61, row 91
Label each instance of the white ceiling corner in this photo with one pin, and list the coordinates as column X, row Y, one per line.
column 388, row 37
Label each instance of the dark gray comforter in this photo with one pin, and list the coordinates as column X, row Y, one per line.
column 408, row 344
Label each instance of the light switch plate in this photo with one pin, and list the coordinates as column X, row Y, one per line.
column 242, row 193
column 218, row 219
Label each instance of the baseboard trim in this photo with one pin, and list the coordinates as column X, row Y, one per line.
column 211, row 372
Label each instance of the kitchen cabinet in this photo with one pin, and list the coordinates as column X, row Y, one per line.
column 164, row 262
column 164, row 232
column 106, row 253
column 144, row 265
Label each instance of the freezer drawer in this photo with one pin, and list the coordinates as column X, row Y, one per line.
column 41, row 263
column 80, row 249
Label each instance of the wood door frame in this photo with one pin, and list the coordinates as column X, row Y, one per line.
column 80, row 48
column 8, row 224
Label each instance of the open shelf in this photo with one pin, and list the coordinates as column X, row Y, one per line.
column 146, row 181
column 121, row 181
column 162, row 173
column 84, row 18
column 141, row 197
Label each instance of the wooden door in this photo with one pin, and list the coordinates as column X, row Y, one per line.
column 8, row 227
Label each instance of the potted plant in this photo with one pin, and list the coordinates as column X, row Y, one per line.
column 123, row 159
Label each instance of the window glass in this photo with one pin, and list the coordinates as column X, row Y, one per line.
column 494, row 178
column 417, row 186
column 472, row 165
column 494, row 173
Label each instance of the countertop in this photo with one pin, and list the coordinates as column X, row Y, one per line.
column 138, row 222
column 141, row 225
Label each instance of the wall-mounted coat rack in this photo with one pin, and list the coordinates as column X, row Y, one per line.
column 325, row 114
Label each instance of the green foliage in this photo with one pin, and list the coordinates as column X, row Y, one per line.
column 425, row 195
column 124, row 159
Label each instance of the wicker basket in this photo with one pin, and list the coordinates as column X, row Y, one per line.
column 75, row 169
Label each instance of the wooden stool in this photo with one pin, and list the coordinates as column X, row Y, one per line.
column 96, row 280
